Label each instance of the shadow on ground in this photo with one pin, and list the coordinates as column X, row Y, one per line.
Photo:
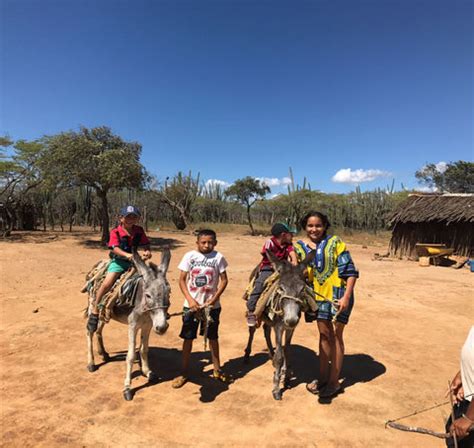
column 303, row 365
column 166, row 364
column 357, row 368
column 34, row 236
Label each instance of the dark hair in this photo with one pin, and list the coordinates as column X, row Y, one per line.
column 324, row 219
column 206, row 232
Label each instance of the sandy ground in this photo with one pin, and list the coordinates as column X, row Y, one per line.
column 402, row 345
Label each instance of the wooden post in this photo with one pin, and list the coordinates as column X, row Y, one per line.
column 145, row 219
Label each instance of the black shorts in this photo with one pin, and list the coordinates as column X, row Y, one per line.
column 191, row 325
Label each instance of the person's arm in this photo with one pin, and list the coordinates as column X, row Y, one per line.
column 465, row 424
column 344, row 301
column 145, row 245
column 348, row 272
column 293, row 258
column 223, row 281
column 121, row 253
column 193, row 305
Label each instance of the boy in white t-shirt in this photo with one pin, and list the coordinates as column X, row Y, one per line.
column 202, row 280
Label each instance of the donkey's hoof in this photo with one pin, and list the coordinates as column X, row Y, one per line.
column 128, row 395
column 91, row 367
column 152, row 377
column 277, row 395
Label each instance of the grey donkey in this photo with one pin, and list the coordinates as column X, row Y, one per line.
column 283, row 314
column 150, row 311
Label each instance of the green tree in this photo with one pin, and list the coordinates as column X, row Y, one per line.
column 247, row 191
column 20, row 170
column 96, row 158
column 458, row 177
column 179, row 195
column 19, row 174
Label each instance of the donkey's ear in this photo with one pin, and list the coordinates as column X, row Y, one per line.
column 276, row 262
column 154, row 268
column 165, row 260
column 142, row 268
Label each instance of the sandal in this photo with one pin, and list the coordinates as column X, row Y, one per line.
column 315, row 386
column 179, row 381
column 92, row 323
column 330, row 392
column 221, row 376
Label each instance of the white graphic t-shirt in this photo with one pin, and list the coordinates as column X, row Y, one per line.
column 203, row 274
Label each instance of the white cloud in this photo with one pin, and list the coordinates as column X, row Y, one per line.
column 349, row 176
column 441, row 166
column 214, row 182
column 274, row 181
column 426, row 189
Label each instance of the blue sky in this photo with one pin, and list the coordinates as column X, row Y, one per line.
column 235, row 88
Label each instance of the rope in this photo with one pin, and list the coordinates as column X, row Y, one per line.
column 420, row 430
column 420, row 411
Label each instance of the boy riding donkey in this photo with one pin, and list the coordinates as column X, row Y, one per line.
column 280, row 245
column 124, row 238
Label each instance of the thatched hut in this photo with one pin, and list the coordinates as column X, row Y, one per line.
column 433, row 218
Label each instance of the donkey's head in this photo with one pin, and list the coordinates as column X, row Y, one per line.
column 156, row 289
column 292, row 286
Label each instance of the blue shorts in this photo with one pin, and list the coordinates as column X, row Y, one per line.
column 326, row 311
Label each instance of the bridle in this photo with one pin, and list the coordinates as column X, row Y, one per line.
column 158, row 307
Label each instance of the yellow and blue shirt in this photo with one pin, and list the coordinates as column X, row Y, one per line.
column 330, row 269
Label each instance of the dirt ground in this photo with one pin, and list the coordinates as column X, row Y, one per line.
column 402, row 347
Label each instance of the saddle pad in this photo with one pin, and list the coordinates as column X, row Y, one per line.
column 128, row 292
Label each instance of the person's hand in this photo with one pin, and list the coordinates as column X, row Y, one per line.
column 460, row 427
column 130, row 257
column 209, row 302
column 456, row 389
column 343, row 304
column 146, row 255
column 193, row 305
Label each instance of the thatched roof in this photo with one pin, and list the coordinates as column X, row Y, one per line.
column 452, row 208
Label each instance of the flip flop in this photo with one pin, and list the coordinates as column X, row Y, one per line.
column 221, row 376
column 179, row 381
column 330, row 392
column 315, row 387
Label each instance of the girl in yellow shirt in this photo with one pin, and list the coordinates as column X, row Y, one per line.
column 333, row 276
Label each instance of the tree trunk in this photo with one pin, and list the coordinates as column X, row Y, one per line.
column 105, row 216
column 249, row 219
column 179, row 220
